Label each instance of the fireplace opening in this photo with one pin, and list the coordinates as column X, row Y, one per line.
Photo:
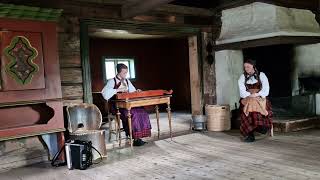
column 276, row 62
column 309, row 85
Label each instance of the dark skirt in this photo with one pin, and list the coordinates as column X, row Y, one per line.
column 254, row 119
column 140, row 121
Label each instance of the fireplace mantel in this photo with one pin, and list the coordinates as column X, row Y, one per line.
column 261, row 21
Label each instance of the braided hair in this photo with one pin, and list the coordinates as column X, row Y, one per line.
column 256, row 73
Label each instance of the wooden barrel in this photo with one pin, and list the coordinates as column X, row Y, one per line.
column 218, row 117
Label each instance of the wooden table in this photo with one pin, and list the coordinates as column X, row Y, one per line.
column 139, row 102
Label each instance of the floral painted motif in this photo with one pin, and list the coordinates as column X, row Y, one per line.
column 21, row 54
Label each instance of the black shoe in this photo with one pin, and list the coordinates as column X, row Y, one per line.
column 249, row 139
column 138, row 142
column 262, row 130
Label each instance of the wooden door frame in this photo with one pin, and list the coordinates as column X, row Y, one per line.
column 187, row 30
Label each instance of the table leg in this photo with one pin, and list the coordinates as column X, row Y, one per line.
column 130, row 127
column 157, row 115
column 118, row 134
column 110, row 128
column 169, row 118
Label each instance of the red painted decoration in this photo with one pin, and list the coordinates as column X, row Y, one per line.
column 34, row 107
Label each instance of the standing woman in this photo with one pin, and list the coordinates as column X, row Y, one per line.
column 255, row 108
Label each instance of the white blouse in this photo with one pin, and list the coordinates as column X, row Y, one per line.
column 264, row 92
column 108, row 91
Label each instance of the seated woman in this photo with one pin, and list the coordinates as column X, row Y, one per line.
column 256, row 114
column 141, row 126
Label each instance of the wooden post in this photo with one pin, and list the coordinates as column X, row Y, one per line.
column 86, row 71
column 194, row 76
column 208, row 69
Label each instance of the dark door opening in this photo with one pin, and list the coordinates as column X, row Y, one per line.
column 158, row 64
column 275, row 61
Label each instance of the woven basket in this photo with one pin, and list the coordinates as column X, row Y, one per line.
column 218, row 117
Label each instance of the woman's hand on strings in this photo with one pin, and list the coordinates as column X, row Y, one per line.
column 122, row 90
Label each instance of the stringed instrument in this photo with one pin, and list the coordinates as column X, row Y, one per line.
column 143, row 94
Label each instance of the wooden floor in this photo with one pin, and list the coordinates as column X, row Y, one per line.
column 199, row 156
column 180, row 125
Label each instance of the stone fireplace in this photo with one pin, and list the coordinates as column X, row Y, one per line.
column 284, row 42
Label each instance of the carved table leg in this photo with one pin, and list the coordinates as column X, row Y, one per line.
column 130, row 127
column 118, row 134
column 169, row 118
column 157, row 115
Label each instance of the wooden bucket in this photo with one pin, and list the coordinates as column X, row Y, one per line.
column 218, row 117
column 199, row 122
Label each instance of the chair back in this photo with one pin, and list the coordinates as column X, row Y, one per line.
column 83, row 116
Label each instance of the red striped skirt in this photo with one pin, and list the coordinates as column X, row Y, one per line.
column 255, row 119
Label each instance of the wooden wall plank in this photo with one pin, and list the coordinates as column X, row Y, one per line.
column 69, row 42
column 71, row 92
column 71, row 75
column 68, row 60
column 68, row 102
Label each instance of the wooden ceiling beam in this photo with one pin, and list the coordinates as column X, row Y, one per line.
column 177, row 9
column 133, row 7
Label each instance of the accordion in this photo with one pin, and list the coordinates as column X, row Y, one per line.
column 78, row 154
